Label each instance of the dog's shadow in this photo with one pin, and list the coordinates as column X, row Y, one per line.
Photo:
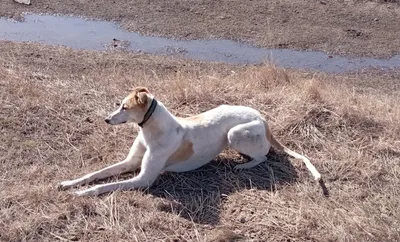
column 197, row 195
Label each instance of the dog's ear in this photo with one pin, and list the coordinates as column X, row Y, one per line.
column 141, row 89
column 142, row 95
column 142, row 98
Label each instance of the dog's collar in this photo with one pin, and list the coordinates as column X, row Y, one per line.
column 149, row 112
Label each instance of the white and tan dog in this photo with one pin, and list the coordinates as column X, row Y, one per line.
column 169, row 143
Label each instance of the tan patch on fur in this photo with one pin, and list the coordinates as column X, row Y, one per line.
column 183, row 153
column 271, row 139
column 194, row 119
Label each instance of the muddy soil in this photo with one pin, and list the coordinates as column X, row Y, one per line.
column 361, row 28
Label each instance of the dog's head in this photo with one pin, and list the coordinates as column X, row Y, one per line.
column 132, row 108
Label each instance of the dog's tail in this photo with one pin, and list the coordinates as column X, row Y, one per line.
column 276, row 144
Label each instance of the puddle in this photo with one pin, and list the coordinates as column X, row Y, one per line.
column 79, row 33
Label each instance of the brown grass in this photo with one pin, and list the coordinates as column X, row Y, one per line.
column 53, row 102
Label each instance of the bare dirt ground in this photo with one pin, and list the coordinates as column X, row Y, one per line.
column 353, row 27
column 53, row 101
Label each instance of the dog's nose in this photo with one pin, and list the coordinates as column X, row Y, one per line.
column 107, row 120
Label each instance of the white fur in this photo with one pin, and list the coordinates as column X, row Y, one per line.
column 241, row 128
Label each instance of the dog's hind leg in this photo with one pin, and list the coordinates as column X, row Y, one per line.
column 132, row 162
column 249, row 139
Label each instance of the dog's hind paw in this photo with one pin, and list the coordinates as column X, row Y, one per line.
column 248, row 165
column 240, row 167
column 244, row 166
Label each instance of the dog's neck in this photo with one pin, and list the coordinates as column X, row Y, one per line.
column 160, row 122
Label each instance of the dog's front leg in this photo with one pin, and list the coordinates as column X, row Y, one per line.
column 151, row 168
column 132, row 162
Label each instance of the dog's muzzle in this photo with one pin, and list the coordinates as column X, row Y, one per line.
column 109, row 121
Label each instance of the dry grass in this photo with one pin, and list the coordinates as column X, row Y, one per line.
column 53, row 101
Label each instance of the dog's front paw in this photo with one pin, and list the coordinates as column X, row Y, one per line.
column 66, row 184
column 88, row 192
column 81, row 193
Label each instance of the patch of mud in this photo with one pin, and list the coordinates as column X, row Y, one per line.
column 296, row 24
column 101, row 35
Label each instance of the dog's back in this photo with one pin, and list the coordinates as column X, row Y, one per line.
column 223, row 117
